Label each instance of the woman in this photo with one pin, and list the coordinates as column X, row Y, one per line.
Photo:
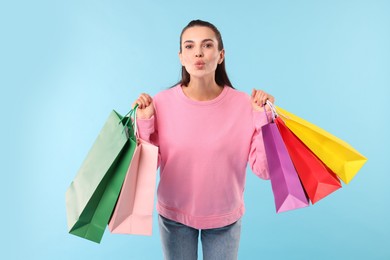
column 206, row 132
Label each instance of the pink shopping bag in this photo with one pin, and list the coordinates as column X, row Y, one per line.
column 133, row 213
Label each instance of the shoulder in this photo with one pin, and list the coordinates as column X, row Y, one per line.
column 238, row 95
column 239, row 102
column 165, row 94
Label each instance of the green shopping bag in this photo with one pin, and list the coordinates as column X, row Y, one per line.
column 91, row 197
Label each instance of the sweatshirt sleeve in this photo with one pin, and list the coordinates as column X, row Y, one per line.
column 146, row 128
column 147, row 132
column 257, row 156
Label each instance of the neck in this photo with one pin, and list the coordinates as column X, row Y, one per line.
column 202, row 89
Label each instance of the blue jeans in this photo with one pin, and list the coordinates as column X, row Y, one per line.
column 181, row 242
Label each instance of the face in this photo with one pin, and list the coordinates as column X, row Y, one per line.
column 199, row 51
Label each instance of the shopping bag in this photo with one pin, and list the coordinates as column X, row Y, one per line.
column 133, row 213
column 286, row 186
column 317, row 179
column 91, row 197
column 338, row 155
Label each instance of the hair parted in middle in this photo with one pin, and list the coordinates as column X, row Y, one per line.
column 221, row 77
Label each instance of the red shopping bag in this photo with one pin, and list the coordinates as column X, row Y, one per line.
column 317, row 179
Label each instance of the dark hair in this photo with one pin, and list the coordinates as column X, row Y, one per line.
column 221, row 77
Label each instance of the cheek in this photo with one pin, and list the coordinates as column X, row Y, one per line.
column 214, row 57
column 213, row 62
column 184, row 59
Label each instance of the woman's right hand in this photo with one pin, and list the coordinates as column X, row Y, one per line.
column 145, row 106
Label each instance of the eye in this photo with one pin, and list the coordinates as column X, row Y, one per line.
column 189, row 46
column 208, row 45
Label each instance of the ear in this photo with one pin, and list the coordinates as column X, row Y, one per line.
column 221, row 56
column 181, row 58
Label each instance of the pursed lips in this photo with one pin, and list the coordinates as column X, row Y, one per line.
column 199, row 64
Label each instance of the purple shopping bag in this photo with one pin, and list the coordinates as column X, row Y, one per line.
column 286, row 186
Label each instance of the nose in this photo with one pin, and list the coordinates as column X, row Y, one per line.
column 199, row 53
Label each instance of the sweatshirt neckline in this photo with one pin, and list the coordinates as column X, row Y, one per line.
column 182, row 96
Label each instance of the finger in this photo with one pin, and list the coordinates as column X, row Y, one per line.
column 254, row 96
column 140, row 102
column 260, row 98
column 253, row 93
column 146, row 97
column 144, row 100
column 271, row 98
column 264, row 97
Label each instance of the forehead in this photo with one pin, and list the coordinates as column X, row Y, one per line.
column 198, row 33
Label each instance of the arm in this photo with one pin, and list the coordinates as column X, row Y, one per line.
column 257, row 156
column 146, row 120
column 145, row 116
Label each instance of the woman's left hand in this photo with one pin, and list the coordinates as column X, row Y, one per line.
column 259, row 99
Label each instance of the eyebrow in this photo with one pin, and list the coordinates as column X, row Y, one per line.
column 205, row 40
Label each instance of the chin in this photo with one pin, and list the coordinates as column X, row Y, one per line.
column 199, row 73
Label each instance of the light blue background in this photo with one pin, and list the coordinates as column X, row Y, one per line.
column 65, row 64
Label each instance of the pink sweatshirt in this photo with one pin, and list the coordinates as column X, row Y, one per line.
column 204, row 148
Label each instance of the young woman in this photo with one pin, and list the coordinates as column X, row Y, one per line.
column 206, row 132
